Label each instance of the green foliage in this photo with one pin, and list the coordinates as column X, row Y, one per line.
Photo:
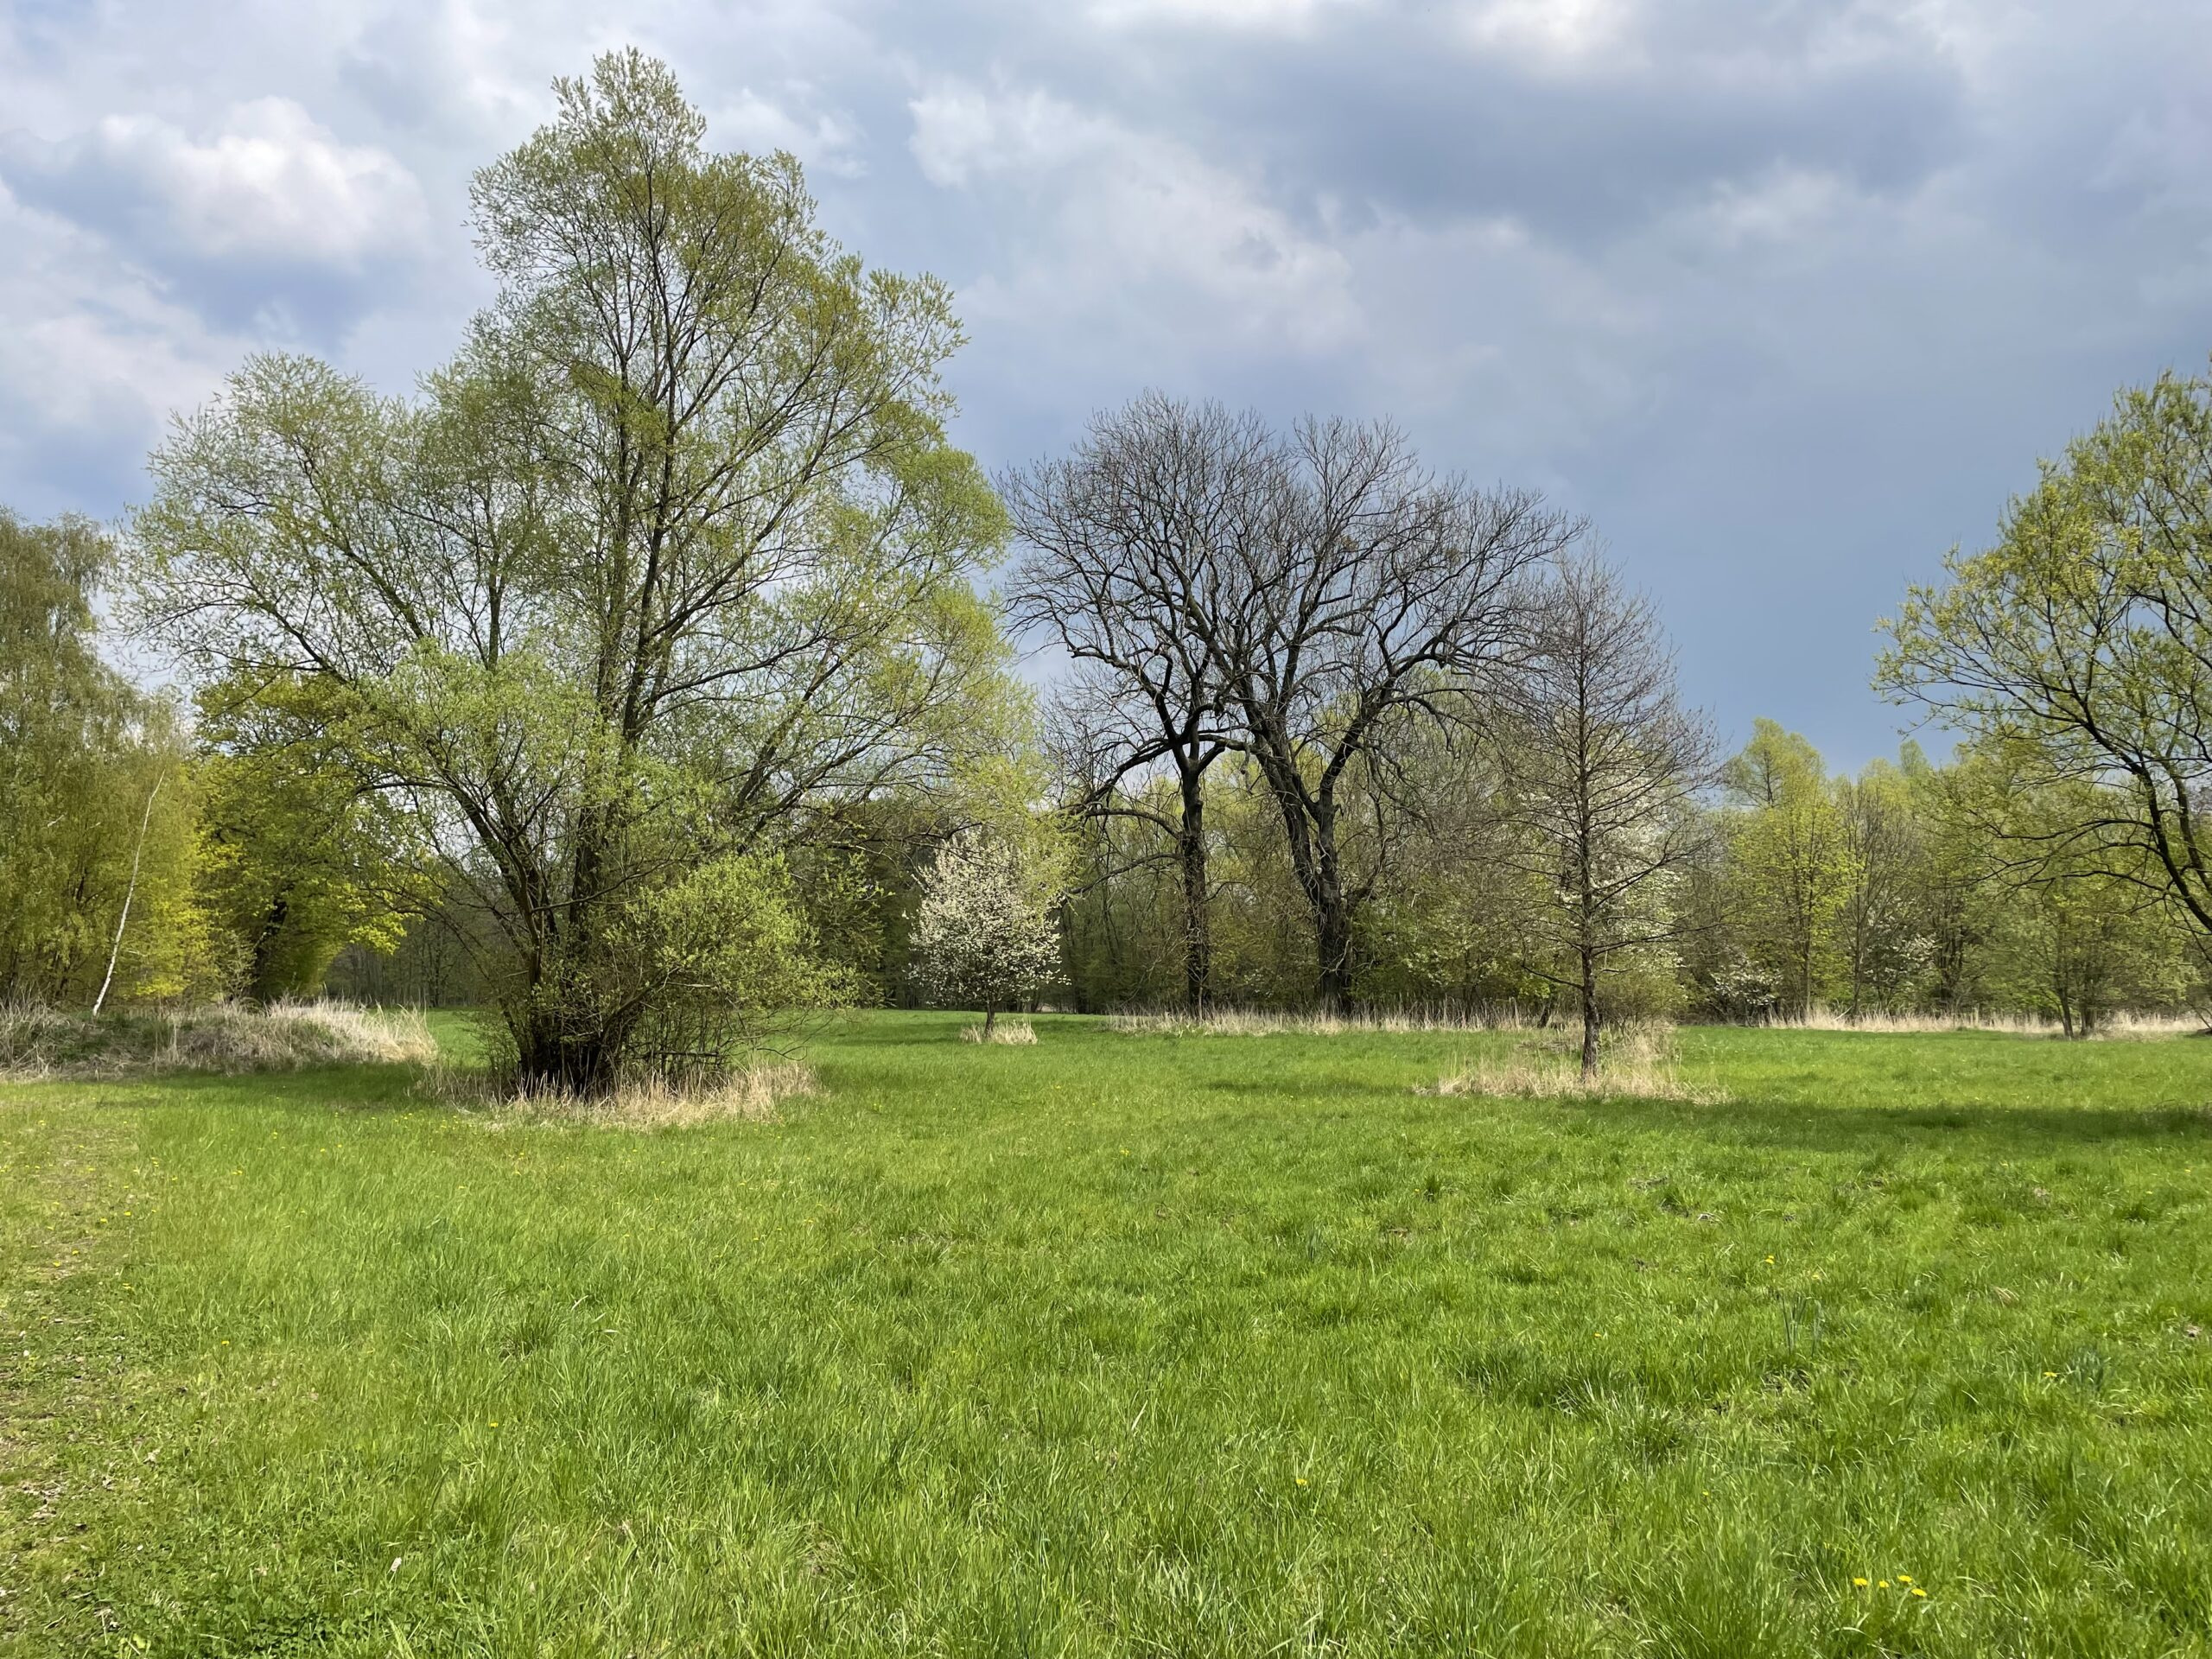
column 2081, row 642
column 669, row 565
column 301, row 861
column 1007, row 1350
column 715, row 962
column 82, row 754
column 1788, row 860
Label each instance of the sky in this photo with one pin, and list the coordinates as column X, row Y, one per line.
column 1786, row 296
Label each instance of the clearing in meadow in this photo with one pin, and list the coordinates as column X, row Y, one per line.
column 1125, row 1341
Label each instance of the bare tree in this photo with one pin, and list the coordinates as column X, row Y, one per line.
column 1132, row 539
column 1374, row 597
column 1604, row 772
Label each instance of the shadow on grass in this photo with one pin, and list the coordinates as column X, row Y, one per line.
column 1841, row 1129
column 371, row 1087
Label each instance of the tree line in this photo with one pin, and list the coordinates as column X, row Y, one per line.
column 640, row 676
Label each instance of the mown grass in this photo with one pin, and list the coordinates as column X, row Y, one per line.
column 1124, row 1344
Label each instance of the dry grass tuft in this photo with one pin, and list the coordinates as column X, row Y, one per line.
column 1015, row 1033
column 2115, row 1025
column 747, row 1096
column 229, row 1038
column 1270, row 1022
column 1638, row 1063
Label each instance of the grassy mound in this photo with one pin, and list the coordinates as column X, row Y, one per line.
column 228, row 1037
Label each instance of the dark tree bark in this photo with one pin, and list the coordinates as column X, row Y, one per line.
column 1130, row 538
column 1378, row 594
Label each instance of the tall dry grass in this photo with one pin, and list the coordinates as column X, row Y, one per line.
column 1636, row 1061
column 2117, row 1026
column 1269, row 1022
column 1015, row 1033
column 37, row 1041
column 751, row 1096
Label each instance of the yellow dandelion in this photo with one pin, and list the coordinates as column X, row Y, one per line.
column 1301, row 1480
column 1883, row 1585
column 1922, row 1593
column 1860, row 1582
column 1904, row 1578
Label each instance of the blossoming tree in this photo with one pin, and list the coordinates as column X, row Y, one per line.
column 986, row 935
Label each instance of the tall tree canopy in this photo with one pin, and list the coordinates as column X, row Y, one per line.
column 673, row 553
column 2081, row 643
column 1378, row 596
column 1131, row 539
column 91, row 784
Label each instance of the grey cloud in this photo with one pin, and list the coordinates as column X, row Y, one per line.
column 266, row 220
column 1788, row 296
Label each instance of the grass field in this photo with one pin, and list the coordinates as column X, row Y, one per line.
column 1150, row 1344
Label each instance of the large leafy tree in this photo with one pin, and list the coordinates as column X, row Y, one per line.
column 672, row 557
column 299, row 860
column 1376, row 599
column 2081, row 643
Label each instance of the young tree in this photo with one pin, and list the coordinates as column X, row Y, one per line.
column 1130, row 539
column 1374, row 599
column 673, row 554
column 986, row 935
column 1603, row 770
column 300, row 861
column 1786, row 860
column 95, row 785
column 2081, row 641
column 1879, row 919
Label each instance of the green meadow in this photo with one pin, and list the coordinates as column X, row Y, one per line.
column 1124, row 1344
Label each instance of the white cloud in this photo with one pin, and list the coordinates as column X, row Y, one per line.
column 93, row 360
column 1270, row 17
column 269, row 181
column 1117, row 222
column 1549, row 34
column 825, row 139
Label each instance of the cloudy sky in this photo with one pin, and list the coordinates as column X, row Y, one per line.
column 1786, row 295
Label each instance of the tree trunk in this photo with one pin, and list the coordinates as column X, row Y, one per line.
column 990, row 1020
column 266, row 987
column 1197, row 931
column 1332, row 934
column 1311, row 828
column 128, row 892
column 1591, row 1016
column 551, row 1059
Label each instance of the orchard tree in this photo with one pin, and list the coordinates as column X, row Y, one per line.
column 673, row 556
column 986, row 935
